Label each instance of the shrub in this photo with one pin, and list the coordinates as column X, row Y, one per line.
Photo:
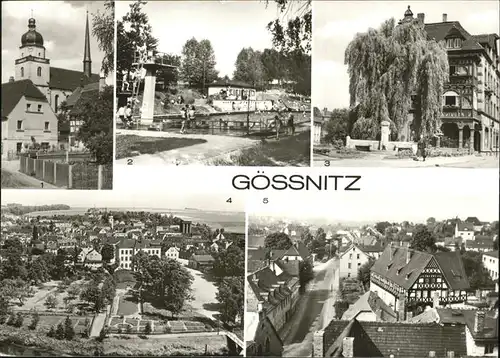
column 148, row 329
column 18, row 322
column 34, row 321
column 69, row 332
column 11, row 320
column 60, row 334
column 52, row 332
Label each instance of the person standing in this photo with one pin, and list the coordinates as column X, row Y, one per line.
column 422, row 147
column 121, row 114
column 128, row 115
column 291, row 125
column 191, row 117
column 184, row 120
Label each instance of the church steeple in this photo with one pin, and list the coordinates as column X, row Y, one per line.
column 87, row 62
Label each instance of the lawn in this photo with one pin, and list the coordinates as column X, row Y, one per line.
column 288, row 151
column 343, row 153
column 48, row 321
column 133, row 145
column 126, row 307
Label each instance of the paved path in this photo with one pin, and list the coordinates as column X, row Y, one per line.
column 376, row 160
column 204, row 293
column 309, row 316
column 22, row 180
column 200, row 154
column 98, row 324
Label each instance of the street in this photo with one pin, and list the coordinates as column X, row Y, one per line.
column 310, row 315
column 377, row 160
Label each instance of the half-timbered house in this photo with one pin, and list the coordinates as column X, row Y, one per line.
column 408, row 280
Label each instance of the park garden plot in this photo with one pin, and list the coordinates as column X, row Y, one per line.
column 37, row 301
column 47, row 321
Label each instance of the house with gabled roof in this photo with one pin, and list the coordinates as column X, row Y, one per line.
column 407, row 280
column 464, row 230
column 26, row 117
column 356, row 338
column 481, row 327
column 470, row 112
column 370, row 307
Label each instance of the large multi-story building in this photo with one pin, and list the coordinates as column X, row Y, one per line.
column 471, row 98
column 408, row 280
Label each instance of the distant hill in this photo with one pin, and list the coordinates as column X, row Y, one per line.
column 18, row 209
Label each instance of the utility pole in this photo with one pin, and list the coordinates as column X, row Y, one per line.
column 204, row 70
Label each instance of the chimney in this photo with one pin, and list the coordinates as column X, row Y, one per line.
column 421, row 17
column 408, row 256
column 318, row 350
column 479, row 322
column 348, row 347
column 435, row 299
column 432, row 354
column 445, row 17
column 400, row 307
column 409, row 315
column 450, row 354
column 390, row 252
column 11, row 79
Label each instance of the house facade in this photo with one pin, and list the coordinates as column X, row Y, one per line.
column 471, row 104
column 408, row 280
column 464, row 230
column 172, row 253
column 351, row 260
column 490, row 262
column 26, row 117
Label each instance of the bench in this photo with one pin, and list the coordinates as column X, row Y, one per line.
column 404, row 149
column 363, row 148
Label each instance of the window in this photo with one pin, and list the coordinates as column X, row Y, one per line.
column 19, row 125
column 268, row 345
column 359, row 264
column 454, row 42
column 47, row 126
column 22, row 71
column 28, row 107
column 39, row 71
column 488, row 348
column 350, row 256
column 19, row 147
column 349, row 274
column 39, row 108
column 56, row 102
column 349, row 265
column 450, row 101
column 357, row 256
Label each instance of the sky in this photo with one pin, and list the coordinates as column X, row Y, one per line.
column 388, row 195
column 336, row 22
column 62, row 25
column 229, row 25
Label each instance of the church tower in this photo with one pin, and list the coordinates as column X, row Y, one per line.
column 87, row 62
column 32, row 63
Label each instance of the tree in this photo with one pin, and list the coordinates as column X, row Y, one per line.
column 92, row 294
column 177, row 281
column 477, row 274
column 109, row 289
column 103, row 29
column 198, row 63
column 229, row 262
column 148, row 328
column 132, row 31
column 277, row 241
column 382, row 226
column 17, row 289
column 59, row 334
column 69, row 331
column 96, row 112
column 38, row 271
column 231, row 298
column 306, row 274
column 52, row 332
column 249, row 67
column 337, row 127
column 423, row 240
column 18, row 322
column 12, row 266
column 51, row 301
column 495, row 244
column 340, row 308
column 386, row 67
column 364, row 273
column 35, row 318
column 292, row 29
column 107, row 252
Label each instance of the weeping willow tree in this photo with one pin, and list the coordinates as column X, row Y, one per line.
column 386, row 67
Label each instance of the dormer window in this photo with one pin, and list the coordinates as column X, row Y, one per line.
column 455, row 42
column 399, row 270
column 389, row 266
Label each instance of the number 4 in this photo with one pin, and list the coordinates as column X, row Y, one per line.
column 229, row 200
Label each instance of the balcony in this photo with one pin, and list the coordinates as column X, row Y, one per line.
column 456, row 112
